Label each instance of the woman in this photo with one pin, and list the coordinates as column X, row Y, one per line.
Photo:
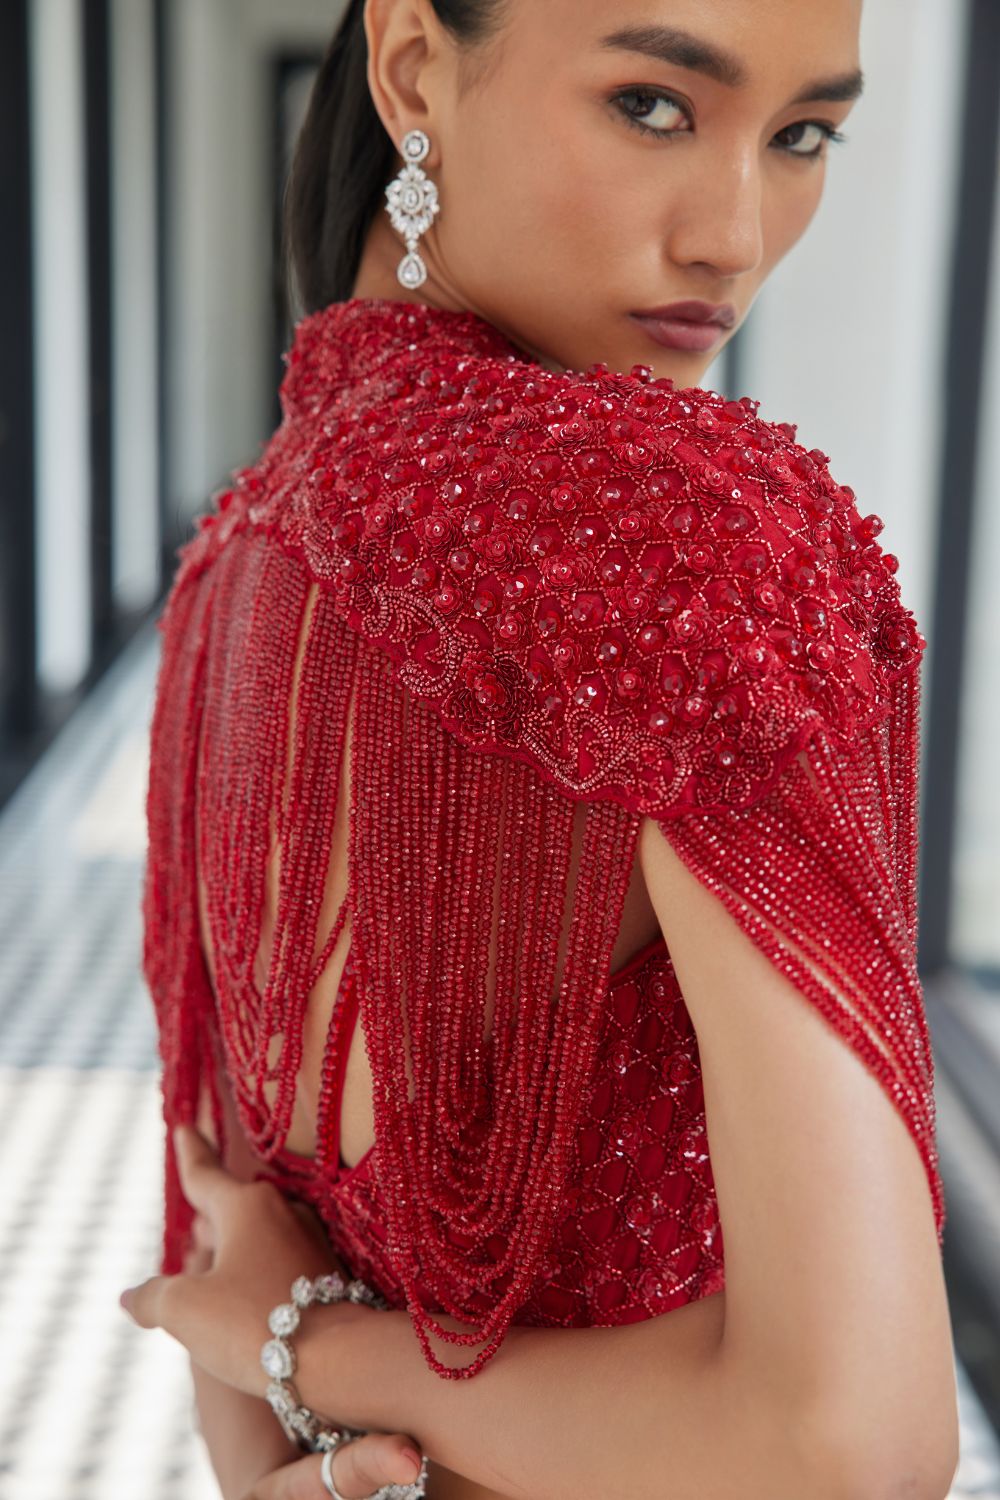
column 549, row 725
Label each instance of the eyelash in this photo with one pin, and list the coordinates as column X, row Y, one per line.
column 661, row 94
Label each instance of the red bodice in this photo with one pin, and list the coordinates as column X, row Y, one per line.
column 528, row 594
column 638, row 1226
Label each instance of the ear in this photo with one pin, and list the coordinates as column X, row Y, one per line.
column 406, row 42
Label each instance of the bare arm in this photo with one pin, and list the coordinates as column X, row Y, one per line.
column 242, row 1436
column 824, row 1370
column 834, row 1281
column 641, row 1412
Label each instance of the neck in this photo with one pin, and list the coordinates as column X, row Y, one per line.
column 377, row 277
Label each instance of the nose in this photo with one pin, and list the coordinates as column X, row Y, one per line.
column 721, row 226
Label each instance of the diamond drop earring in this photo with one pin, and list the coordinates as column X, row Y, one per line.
column 411, row 203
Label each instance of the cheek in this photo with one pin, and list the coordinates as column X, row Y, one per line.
column 553, row 191
column 791, row 210
column 585, row 177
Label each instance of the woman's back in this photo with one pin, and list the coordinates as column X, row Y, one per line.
column 638, row 1156
column 354, row 1127
column 551, row 607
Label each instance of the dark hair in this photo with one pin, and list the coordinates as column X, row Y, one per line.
column 344, row 157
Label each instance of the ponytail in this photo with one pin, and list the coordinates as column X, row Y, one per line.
column 344, row 158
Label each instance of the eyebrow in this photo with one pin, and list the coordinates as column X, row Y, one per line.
column 671, row 45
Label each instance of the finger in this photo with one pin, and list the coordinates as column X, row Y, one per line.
column 202, row 1232
column 204, row 1180
column 298, row 1480
column 145, row 1303
column 182, row 1305
column 197, row 1261
column 367, row 1463
column 201, row 1251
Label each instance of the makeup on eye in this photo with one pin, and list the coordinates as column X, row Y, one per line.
column 663, row 96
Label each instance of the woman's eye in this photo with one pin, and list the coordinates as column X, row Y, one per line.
column 826, row 133
column 639, row 118
column 653, row 106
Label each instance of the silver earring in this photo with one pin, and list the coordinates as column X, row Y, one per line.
column 411, row 203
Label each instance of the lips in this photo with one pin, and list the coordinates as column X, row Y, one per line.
column 691, row 312
column 695, row 335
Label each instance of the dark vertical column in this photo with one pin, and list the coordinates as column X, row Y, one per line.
column 961, row 384
column 279, row 88
column 18, row 605
column 97, row 95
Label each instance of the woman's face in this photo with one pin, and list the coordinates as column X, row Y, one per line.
column 604, row 164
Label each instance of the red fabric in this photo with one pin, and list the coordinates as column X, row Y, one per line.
column 544, row 590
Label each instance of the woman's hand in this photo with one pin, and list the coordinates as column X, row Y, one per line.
column 258, row 1243
column 248, row 1244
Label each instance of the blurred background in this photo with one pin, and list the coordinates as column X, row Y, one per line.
column 144, row 145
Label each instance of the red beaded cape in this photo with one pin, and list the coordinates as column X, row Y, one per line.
column 545, row 590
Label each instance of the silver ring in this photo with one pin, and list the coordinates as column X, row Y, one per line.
column 326, row 1467
column 383, row 1493
column 326, row 1473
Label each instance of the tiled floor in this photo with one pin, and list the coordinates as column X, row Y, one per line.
column 92, row 1408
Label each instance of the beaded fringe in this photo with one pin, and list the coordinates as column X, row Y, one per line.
column 482, row 954
column 425, row 879
column 819, row 874
column 422, row 874
column 173, row 960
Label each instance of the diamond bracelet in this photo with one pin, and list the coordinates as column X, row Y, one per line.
column 277, row 1357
